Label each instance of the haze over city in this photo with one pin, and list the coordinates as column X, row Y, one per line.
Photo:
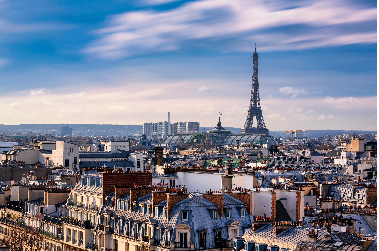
column 119, row 62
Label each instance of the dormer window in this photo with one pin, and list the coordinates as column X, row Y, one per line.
column 228, row 213
column 156, row 211
column 184, row 215
column 164, row 212
column 243, row 212
column 214, row 214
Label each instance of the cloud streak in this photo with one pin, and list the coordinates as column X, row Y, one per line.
column 126, row 104
column 293, row 92
column 240, row 22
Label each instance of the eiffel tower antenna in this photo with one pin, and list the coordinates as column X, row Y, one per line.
column 255, row 110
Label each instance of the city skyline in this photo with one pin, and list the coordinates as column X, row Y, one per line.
column 130, row 63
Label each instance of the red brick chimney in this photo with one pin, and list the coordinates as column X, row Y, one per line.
column 245, row 197
column 158, row 197
column 136, row 193
column 273, row 205
column 120, row 192
column 172, row 199
column 218, row 200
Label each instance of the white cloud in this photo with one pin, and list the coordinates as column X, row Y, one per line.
column 37, row 92
column 276, row 117
column 293, row 92
column 328, row 24
column 344, row 103
column 158, row 2
column 203, row 89
column 321, row 117
column 136, row 103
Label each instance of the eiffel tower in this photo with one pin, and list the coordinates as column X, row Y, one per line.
column 255, row 109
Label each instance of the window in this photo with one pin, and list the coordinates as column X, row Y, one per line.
column 156, row 211
column 228, row 213
column 75, row 160
column 165, row 212
column 66, row 163
column 185, row 215
column 203, row 242
column 214, row 214
column 172, row 183
column 243, row 212
column 138, row 164
column 183, row 240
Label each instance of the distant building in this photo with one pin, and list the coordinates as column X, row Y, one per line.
column 66, row 131
column 192, row 127
column 165, row 128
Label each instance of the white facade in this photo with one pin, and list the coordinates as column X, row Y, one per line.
column 243, row 180
column 201, row 182
column 114, row 146
column 66, row 155
column 137, row 159
column 29, row 156
column 181, row 127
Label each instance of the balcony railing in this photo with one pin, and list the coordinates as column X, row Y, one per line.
column 92, row 246
column 165, row 244
column 146, row 238
column 183, row 246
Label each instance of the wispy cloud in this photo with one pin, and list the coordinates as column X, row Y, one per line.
column 7, row 26
column 71, row 106
column 293, row 92
column 321, row 23
column 38, row 92
column 203, row 89
column 158, row 2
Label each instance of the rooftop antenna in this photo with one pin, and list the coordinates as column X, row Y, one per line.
column 255, row 47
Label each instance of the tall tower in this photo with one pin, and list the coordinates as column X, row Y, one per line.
column 255, row 110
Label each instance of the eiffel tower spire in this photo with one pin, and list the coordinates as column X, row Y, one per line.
column 255, row 110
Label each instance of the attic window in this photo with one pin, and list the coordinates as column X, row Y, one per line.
column 165, row 213
column 156, row 211
column 214, row 214
column 228, row 213
column 185, row 215
column 243, row 212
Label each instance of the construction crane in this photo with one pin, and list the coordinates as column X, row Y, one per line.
column 295, row 131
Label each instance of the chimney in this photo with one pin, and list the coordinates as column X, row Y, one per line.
column 158, row 197
column 218, row 200
column 273, row 205
column 120, row 192
column 245, row 197
column 136, row 193
column 159, row 155
column 172, row 199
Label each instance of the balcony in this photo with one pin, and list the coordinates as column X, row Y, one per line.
column 83, row 224
column 92, row 246
column 146, row 238
column 184, row 246
column 165, row 244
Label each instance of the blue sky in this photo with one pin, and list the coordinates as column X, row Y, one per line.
column 129, row 62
